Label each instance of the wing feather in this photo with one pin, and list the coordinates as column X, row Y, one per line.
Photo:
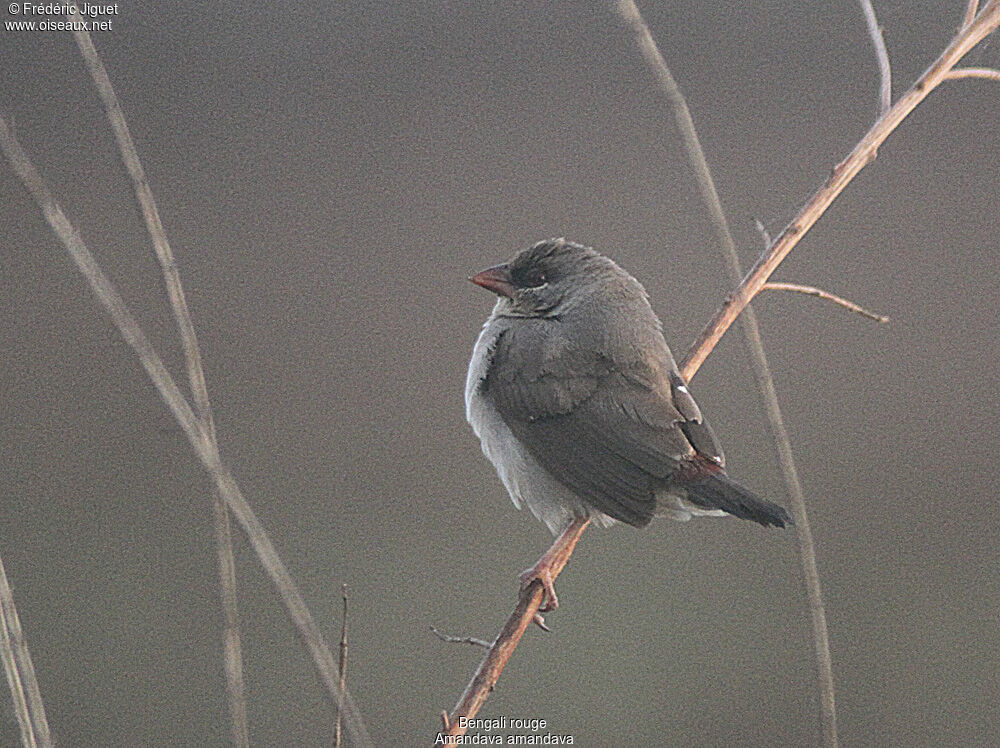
column 611, row 434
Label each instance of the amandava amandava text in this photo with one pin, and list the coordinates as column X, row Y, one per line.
column 492, row 725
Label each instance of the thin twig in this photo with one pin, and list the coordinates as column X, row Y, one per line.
column 193, row 428
column 884, row 71
column 819, row 292
column 764, row 233
column 232, row 646
column 755, row 346
column 812, row 290
column 970, row 13
column 28, row 704
column 986, row 22
column 989, row 73
column 460, row 639
column 506, row 642
column 343, row 661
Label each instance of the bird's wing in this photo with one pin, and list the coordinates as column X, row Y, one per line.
column 612, row 434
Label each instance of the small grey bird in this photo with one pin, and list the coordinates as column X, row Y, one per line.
column 579, row 405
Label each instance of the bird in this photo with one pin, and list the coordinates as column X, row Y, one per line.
column 579, row 404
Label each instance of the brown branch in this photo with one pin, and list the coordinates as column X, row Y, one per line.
column 529, row 600
column 232, row 646
column 885, row 72
column 448, row 638
column 820, row 293
column 506, row 642
column 988, row 73
column 203, row 447
column 28, row 704
column 986, row 22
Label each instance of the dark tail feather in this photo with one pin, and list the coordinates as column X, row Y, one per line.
column 716, row 491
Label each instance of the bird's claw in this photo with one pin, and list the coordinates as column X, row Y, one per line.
column 541, row 572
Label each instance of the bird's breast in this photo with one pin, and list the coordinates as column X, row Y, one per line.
column 476, row 375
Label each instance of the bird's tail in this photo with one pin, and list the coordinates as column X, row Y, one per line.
column 717, row 491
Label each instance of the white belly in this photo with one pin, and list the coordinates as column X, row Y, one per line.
column 527, row 482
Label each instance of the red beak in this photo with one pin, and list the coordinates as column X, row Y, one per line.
column 496, row 279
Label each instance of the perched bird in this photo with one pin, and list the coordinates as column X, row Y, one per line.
column 579, row 405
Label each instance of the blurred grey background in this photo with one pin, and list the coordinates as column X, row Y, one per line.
column 329, row 175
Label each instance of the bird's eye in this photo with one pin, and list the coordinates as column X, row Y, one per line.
column 533, row 278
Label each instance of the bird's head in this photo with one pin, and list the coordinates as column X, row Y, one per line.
column 551, row 277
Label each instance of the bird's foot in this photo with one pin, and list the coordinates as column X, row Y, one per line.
column 550, row 564
column 542, row 571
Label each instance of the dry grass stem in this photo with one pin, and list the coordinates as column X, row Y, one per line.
column 12, row 669
column 803, row 530
column 460, row 639
column 342, row 664
column 755, row 346
column 885, row 72
column 203, row 446
column 970, row 12
column 28, row 704
column 629, row 14
column 820, row 293
column 232, row 646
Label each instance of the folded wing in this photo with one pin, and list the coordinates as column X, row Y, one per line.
column 613, row 434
